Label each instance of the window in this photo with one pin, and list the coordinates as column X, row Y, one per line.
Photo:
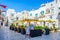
column 56, row 1
column 36, row 15
column 48, row 24
column 42, row 12
column 23, row 17
column 17, row 18
column 52, row 10
column 51, row 17
column 59, row 13
column 23, row 13
column 51, row 4
column 59, row 8
column 31, row 14
column 47, row 11
column 12, row 20
column 12, row 14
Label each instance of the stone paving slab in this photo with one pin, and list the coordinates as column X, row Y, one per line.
column 6, row 34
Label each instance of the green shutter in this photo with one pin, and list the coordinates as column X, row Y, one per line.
column 42, row 12
column 36, row 15
column 23, row 17
column 59, row 7
column 31, row 14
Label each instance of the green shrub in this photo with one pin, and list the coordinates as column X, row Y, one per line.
column 46, row 27
column 55, row 28
column 38, row 27
column 19, row 26
column 12, row 25
column 23, row 26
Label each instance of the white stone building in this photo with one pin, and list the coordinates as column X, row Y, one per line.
column 47, row 11
column 11, row 16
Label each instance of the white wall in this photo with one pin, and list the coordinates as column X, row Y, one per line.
column 9, row 15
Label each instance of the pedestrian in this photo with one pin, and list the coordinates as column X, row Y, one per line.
column 27, row 31
column 31, row 26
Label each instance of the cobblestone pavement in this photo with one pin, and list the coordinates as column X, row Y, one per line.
column 6, row 34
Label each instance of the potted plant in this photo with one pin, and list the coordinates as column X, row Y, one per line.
column 12, row 26
column 19, row 28
column 36, row 32
column 55, row 29
column 15, row 28
column 23, row 31
column 47, row 30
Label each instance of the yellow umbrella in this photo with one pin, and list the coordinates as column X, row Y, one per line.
column 49, row 20
column 41, row 20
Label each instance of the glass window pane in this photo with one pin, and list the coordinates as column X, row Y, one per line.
column 59, row 13
column 51, row 17
column 12, row 14
column 42, row 12
column 59, row 7
column 30, row 14
column 52, row 10
column 23, row 17
column 36, row 15
column 17, row 18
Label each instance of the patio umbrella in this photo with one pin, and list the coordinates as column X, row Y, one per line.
column 50, row 20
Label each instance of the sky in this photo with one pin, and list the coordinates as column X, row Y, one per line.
column 20, row 5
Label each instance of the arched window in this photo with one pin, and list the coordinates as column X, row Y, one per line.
column 36, row 15
column 22, row 17
column 17, row 18
column 42, row 12
column 30, row 14
column 51, row 4
column 47, row 11
column 52, row 10
column 59, row 8
column 50, row 17
column 59, row 13
column 12, row 19
column 12, row 14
